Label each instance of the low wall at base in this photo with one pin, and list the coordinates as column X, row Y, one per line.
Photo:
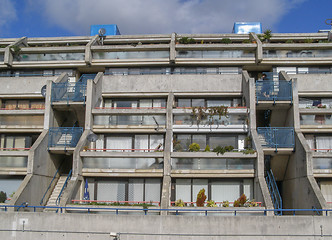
column 71, row 226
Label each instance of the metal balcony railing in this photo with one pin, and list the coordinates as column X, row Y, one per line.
column 66, row 91
column 274, row 192
column 281, row 137
column 268, row 90
column 64, row 137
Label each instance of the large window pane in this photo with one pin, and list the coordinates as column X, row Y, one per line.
column 183, row 190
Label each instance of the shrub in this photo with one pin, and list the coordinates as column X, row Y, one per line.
column 226, row 41
column 225, row 203
column 201, row 197
column 186, row 40
column 229, row 148
column 242, row 199
column 219, row 150
column 246, row 41
column 211, row 203
column 236, row 203
column 207, row 148
column 194, row 147
column 179, row 203
column 3, row 197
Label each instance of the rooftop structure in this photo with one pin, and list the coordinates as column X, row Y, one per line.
column 154, row 119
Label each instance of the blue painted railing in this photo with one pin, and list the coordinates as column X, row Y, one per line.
column 269, row 90
column 63, row 188
column 274, row 192
column 175, row 211
column 64, row 137
column 281, row 137
column 49, row 186
column 84, row 78
column 68, row 92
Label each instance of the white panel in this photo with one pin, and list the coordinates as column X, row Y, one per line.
column 141, row 142
column 118, row 143
column 326, row 187
column 248, row 188
column 135, row 189
column 145, row 103
column 183, row 190
column 111, row 191
column 241, row 139
column 199, row 184
column 290, row 70
column 152, row 190
column 100, row 143
column 225, row 191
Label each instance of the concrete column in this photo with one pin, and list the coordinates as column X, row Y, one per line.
column 259, row 49
column 88, row 52
column 166, row 188
column 172, row 53
column 93, row 97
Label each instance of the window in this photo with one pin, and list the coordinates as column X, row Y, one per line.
column 213, row 102
column 134, row 103
column 23, row 104
column 125, row 189
column 16, row 141
column 218, row 190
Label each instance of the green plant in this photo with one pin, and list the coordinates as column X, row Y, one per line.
column 194, row 147
column 211, row 203
column 186, row 40
column 242, row 199
column 199, row 113
column 266, row 36
column 289, row 41
column 15, row 51
column 219, row 150
column 207, row 148
column 236, row 203
column 229, row 148
column 177, row 146
column 246, row 41
column 3, row 197
column 201, row 197
column 179, row 203
column 248, row 151
column 225, row 203
column 252, row 203
column 226, row 40
column 308, row 40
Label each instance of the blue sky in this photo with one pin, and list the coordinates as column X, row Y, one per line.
column 49, row 18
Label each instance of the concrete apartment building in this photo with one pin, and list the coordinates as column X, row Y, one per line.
column 119, row 113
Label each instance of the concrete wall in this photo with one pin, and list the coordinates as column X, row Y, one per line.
column 16, row 86
column 31, row 226
column 176, row 83
column 314, row 83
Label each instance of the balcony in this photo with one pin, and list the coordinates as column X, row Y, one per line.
column 268, row 90
column 281, row 137
column 68, row 92
column 64, row 138
column 212, row 164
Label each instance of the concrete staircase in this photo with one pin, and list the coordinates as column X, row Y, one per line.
column 56, row 191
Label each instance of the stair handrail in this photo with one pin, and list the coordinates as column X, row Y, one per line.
column 272, row 185
column 49, row 186
column 63, row 187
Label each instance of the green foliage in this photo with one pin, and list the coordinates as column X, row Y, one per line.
column 15, row 49
column 226, row 40
column 144, row 205
column 236, row 203
column 222, row 150
column 3, row 197
column 207, row 148
column 177, row 146
column 200, row 113
column 308, row 40
column 179, row 203
column 194, row 147
column 186, row 40
column 249, row 151
column 289, row 41
column 211, row 203
column 225, row 203
column 266, row 36
column 246, row 41
column 201, row 197
column 241, row 201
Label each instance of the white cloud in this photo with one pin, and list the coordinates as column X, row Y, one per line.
column 7, row 12
column 163, row 16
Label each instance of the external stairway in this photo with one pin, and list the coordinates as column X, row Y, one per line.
column 52, row 201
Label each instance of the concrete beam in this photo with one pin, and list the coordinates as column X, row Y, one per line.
column 88, row 52
column 8, row 57
column 172, row 53
column 259, row 49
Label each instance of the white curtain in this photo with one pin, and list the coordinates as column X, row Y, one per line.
column 323, row 143
column 145, row 103
column 248, row 188
column 141, row 142
column 135, row 189
column 152, row 190
column 118, row 143
column 183, row 190
column 111, row 190
column 225, row 191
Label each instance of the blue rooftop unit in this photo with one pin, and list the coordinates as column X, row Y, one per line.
column 106, row 30
column 247, row 27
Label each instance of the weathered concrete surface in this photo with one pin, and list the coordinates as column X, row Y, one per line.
column 31, row 226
